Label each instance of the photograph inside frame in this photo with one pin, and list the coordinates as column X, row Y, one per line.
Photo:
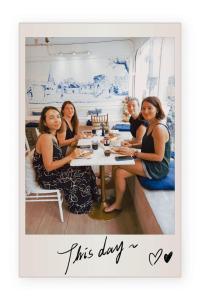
column 100, row 135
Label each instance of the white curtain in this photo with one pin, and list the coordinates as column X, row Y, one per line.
column 155, row 75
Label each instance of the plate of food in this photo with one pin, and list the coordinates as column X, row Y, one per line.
column 113, row 136
column 86, row 154
column 115, row 150
column 87, row 135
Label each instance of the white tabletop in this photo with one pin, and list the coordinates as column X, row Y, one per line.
column 98, row 157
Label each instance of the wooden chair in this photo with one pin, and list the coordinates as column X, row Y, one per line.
column 34, row 193
column 97, row 121
column 37, row 132
column 27, row 147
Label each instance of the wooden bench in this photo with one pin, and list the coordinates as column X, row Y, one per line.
column 155, row 209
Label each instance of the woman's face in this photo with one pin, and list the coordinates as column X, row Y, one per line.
column 53, row 119
column 148, row 111
column 132, row 107
column 68, row 111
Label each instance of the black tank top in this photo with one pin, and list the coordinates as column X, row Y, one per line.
column 69, row 135
column 156, row 169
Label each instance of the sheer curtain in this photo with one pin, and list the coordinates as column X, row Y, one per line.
column 155, row 75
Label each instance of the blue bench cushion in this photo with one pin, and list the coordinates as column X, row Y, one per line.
column 167, row 183
column 36, row 113
column 121, row 127
column 32, row 124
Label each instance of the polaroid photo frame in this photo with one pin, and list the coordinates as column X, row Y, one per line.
column 97, row 65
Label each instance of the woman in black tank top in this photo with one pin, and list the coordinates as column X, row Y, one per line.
column 68, row 134
column 154, row 158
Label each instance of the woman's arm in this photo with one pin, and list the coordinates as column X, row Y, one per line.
column 46, row 149
column 160, row 136
column 137, row 142
column 61, row 134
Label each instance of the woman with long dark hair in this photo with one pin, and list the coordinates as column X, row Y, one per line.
column 53, row 170
column 68, row 134
column 154, row 159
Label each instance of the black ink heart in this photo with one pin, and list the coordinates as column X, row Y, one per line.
column 167, row 257
column 153, row 258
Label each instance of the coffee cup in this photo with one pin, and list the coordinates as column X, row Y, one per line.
column 94, row 145
column 107, row 152
column 106, row 141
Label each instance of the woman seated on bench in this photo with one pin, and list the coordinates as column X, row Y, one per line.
column 138, row 125
column 153, row 160
column 68, row 134
column 53, row 170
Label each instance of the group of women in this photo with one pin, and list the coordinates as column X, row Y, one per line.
column 59, row 130
column 52, row 160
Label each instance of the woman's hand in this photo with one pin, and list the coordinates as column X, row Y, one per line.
column 82, row 135
column 78, row 136
column 126, row 151
column 126, row 143
column 75, row 153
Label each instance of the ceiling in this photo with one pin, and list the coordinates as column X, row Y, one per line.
column 33, row 41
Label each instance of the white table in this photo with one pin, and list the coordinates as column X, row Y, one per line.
column 99, row 159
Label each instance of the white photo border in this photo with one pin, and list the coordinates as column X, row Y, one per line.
column 38, row 254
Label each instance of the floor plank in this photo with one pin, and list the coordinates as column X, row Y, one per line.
column 44, row 218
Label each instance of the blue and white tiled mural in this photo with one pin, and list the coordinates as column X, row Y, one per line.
column 112, row 82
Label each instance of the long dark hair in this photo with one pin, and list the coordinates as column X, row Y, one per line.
column 42, row 127
column 75, row 120
column 160, row 115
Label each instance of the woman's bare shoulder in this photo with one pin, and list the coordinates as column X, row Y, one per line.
column 160, row 129
column 45, row 138
column 63, row 127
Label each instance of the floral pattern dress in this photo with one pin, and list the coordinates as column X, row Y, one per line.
column 77, row 183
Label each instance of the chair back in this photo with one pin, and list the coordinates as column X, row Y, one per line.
column 37, row 132
column 31, row 185
column 97, row 121
column 27, row 147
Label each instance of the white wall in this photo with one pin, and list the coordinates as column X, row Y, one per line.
column 40, row 62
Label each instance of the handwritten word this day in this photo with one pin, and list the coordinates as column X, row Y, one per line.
column 77, row 253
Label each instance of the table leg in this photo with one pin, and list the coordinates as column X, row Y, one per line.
column 103, row 191
column 97, row 211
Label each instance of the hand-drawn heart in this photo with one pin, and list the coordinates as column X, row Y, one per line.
column 153, row 258
column 167, row 257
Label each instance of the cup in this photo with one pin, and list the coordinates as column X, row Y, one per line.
column 107, row 152
column 106, row 141
column 94, row 145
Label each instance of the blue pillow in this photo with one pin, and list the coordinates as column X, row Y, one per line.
column 32, row 125
column 167, row 183
column 36, row 113
column 122, row 127
column 173, row 154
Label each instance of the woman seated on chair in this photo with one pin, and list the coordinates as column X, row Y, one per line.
column 68, row 134
column 154, row 159
column 138, row 125
column 53, row 170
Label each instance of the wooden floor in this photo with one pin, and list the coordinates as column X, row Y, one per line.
column 43, row 218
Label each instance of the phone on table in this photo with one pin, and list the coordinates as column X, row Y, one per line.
column 121, row 158
column 83, row 146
